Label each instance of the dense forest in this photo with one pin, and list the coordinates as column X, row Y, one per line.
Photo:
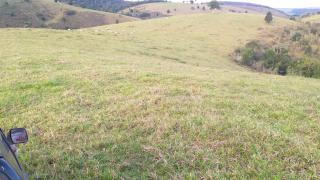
column 106, row 5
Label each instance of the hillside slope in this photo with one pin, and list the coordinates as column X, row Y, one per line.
column 253, row 8
column 312, row 19
column 156, row 99
column 46, row 13
column 160, row 9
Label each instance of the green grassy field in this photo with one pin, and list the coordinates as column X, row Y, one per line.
column 156, row 99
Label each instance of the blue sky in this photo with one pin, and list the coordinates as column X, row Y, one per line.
column 278, row 3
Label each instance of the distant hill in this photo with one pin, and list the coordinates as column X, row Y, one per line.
column 155, row 10
column 300, row 11
column 48, row 14
column 254, row 8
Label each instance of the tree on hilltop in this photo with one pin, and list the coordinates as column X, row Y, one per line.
column 268, row 17
column 214, row 4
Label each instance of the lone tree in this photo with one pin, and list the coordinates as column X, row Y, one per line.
column 214, row 4
column 268, row 17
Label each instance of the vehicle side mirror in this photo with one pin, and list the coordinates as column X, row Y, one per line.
column 18, row 136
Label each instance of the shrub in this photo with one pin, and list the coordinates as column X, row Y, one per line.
column 284, row 61
column 41, row 16
column 270, row 60
column 308, row 50
column 247, row 55
column 286, row 31
column 308, row 67
column 268, row 17
column 292, row 18
column 70, row 13
column 168, row 11
column 314, row 31
column 274, row 59
column 251, row 53
column 297, row 36
column 144, row 15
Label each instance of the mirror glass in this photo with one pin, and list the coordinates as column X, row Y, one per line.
column 18, row 135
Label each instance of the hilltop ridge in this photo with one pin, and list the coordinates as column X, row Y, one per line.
column 165, row 9
column 48, row 14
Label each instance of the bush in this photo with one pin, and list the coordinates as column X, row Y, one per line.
column 41, row 16
column 308, row 50
column 70, row 13
column 292, row 18
column 273, row 59
column 284, row 61
column 252, row 53
column 314, row 31
column 270, row 60
column 308, row 67
column 247, row 55
column 144, row 15
column 297, row 36
column 268, row 17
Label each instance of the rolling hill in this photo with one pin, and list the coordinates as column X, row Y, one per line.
column 47, row 14
column 156, row 99
column 253, row 8
column 312, row 19
column 161, row 9
column 300, row 11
